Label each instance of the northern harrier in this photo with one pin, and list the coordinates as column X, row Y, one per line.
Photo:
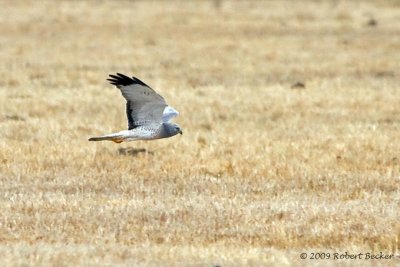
column 148, row 114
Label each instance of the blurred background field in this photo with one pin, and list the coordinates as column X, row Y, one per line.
column 290, row 113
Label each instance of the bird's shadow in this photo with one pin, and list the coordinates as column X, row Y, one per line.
column 130, row 151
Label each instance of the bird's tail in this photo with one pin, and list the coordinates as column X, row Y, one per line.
column 115, row 137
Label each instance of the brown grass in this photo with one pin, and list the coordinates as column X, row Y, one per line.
column 265, row 170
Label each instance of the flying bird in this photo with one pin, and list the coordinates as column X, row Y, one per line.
column 147, row 112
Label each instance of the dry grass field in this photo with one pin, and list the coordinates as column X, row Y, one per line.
column 265, row 169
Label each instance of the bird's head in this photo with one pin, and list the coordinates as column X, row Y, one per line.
column 174, row 129
column 178, row 129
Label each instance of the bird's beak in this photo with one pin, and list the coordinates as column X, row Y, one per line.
column 180, row 131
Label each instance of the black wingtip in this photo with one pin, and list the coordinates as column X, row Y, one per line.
column 120, row 79
column 123, row 80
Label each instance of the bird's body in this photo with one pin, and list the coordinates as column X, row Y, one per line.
column 145, row 132
column 147, row 113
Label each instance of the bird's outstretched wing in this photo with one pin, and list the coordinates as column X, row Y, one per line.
column 143, row 104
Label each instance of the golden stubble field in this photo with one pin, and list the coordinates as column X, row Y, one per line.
column 263, row 171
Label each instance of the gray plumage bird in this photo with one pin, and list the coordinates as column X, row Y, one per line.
column 147, row 112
